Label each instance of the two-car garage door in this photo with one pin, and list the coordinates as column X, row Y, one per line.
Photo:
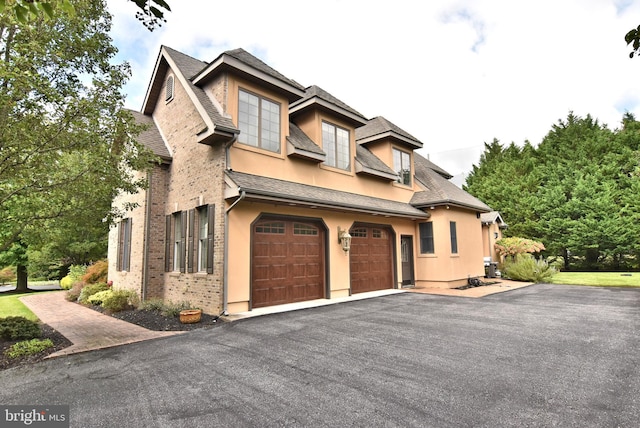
column 288, row 260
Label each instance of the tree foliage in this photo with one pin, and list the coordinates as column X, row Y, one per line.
column 633, row 38
column 576, row 191
column 150, row 13
column 67, row 146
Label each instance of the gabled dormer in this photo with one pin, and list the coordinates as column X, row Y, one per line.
column 392, row 145
column 330, row 124
column 255, row 96
column 174, row 68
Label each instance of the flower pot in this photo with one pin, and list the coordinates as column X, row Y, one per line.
column 190, row 316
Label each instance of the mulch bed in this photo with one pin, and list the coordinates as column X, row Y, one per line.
column 148, row 319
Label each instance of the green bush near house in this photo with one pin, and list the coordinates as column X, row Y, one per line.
column 89, row 290
column 19, row 328
column 28, row 347
column 527, row 268
column 168, row 309
column 76, row 272
column 99, row 297
column 119, row 300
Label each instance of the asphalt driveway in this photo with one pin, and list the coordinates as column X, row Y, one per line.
column 541, row 356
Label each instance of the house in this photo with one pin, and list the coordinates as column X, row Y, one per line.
column 269, row 192
column 492, row 227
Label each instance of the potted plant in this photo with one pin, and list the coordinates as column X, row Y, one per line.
column 190, row 316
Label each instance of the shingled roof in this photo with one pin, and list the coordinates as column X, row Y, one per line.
column 273, row 190
column 319, row 98
column 151, row 137
column 380, row 128
column 439, row 190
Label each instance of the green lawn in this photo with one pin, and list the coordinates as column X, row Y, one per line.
column 11, row 306
column 602, row 279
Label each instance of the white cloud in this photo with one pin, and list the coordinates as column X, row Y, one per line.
column 453, row 74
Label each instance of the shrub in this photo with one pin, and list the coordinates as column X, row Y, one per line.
column 154, row 304
column 76, row 272
column 119, row 300
column 28, row 347
column 74, row 293
column 66, row 283
column 172, row 309
column 99, row 297
column 96, row 273
column 168, row 309
column 19, row 328
column 526, row 268
column 7, row 274
column 91, row 289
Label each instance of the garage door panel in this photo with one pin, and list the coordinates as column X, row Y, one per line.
column 371, row 259
column 294, row 254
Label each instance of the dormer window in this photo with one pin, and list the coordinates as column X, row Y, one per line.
column 259, row 122
column 335, row 142
column 402, row 166
column 169, row 89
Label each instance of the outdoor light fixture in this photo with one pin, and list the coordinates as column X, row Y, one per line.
column 344, row 239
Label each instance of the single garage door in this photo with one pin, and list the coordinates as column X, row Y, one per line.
column 371, row 258
column 287, row 262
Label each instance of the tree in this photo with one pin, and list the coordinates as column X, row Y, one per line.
column 576, row 191
column 150, row 13
column 67, row 146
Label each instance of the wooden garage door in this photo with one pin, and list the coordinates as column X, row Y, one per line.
column 287, row 262
column 371, row 259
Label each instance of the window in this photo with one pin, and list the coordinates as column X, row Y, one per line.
column 205, row 238
column 304, row 229
column 273, row 227
column 358, row 233
column 124, row 245
column 454, row 237
column 175, row 244
column 259, row 122
column 402, row 166
column 169, row 89
column 426, row 238
column 335, row 142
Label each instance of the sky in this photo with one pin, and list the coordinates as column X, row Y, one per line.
column 454, row 74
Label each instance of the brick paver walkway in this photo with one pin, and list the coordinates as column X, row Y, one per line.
column 86, row 328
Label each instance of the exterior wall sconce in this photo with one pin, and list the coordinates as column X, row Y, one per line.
column 344, row 239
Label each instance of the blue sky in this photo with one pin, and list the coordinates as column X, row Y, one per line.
column 455, row 74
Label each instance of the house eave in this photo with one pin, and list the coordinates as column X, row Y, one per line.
column 393, row 136
column 228, row 63
column 318, row 102
column 297, row 152
column 361, row 169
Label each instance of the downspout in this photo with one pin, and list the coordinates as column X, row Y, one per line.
column 145, row 241
column 225, row 270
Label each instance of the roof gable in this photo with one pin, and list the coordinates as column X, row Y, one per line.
column 242, row 63
column 380, row 128
column 218, row 126
column 316, row 97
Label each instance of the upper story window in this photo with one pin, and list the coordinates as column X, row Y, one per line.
column 402, row 166
column 259, row 122
column 335, row 141
column 169, row 89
